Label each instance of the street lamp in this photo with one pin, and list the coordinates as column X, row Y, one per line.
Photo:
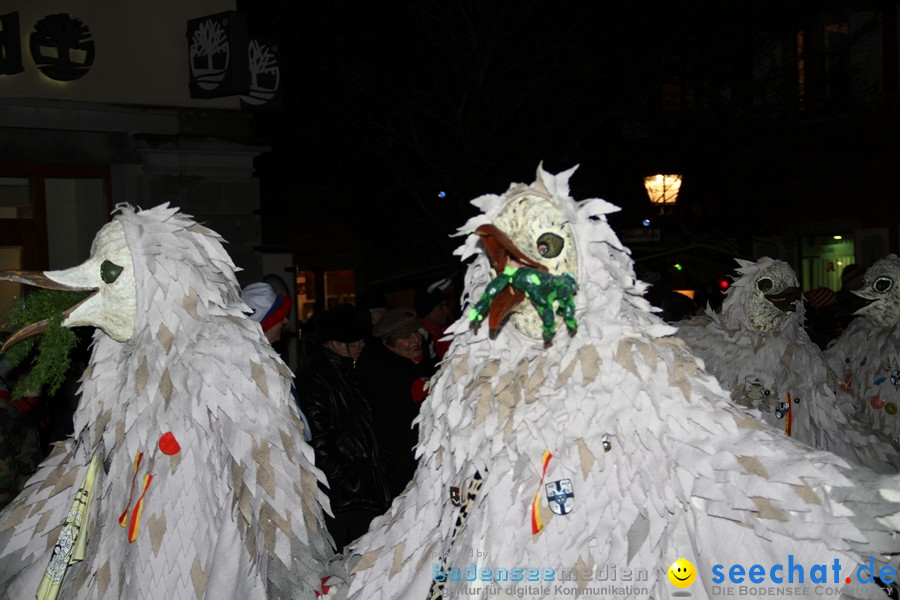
column 663, row 190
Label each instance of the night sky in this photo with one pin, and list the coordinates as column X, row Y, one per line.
column 390, row 104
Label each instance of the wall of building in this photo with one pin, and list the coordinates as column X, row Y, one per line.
column 130, row 113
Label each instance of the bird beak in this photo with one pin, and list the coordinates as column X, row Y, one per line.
column 849, row 303
column 785, row 300
column 39, row 279
column 502, row 252
column 501, row 249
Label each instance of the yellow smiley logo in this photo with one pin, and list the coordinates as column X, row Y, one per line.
column 682, row 573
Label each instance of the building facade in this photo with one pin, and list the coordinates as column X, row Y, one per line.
column 102, row 103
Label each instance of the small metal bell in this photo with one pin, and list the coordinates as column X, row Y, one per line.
column 606, row 445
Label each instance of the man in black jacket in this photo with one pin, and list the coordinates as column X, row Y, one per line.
column 341, row 421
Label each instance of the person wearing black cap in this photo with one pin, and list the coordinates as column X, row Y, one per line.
column 396, row 373
column 344, row 440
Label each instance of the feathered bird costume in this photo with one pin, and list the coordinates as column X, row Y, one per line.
column 187, row 476
column 758, row 349
column 605, row 448
column 866, row 356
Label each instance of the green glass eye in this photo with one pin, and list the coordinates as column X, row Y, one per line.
column 764, row 285
column 549, row 245
column 109, row 271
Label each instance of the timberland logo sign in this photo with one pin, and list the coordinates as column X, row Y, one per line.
column 265, row 74
column 218, row 58
column 225, row 61
column 61, row 47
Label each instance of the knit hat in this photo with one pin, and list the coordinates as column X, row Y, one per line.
column 396, row 323
column 268, row 308
column 342, row 323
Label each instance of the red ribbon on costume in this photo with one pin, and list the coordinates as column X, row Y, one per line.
column 134, row 527
column 787, row 417
column 536, row 523
column 134, row 523
column 848, row 380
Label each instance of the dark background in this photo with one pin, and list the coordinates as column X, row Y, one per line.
column 388, row 104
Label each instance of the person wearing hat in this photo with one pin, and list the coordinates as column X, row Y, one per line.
column 852, row 277
column 435, row 310
column 271, row 312
column 396, row 374
column 344, row 440
column 269, row 309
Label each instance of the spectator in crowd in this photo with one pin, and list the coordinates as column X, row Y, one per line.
column 827, row 314
column 822, row 323
column 852, row 276
column 435, row 309
column 344, row 439
column 396, row 374
column 678, row 307
column 271, row 312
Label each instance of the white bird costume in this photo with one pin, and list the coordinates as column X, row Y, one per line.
column 556, row 450
column 866, row 356
column 187, row 476
column 758, row 349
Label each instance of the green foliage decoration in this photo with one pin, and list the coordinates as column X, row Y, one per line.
column 49, row 365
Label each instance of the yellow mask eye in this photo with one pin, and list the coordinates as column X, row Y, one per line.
column 109, row 271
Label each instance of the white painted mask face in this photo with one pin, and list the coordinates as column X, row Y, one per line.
column 109, row 270
column 773, row 297
column 542, row 233
column 880, row 288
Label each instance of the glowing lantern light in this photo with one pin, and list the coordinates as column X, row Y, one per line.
column 663, row 190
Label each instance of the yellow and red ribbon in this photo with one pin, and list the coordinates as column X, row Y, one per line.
column 134, row 523
column 787, row 417
column 123, row 519
column 134, row 526
column 536, row 523
column 848, row 380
